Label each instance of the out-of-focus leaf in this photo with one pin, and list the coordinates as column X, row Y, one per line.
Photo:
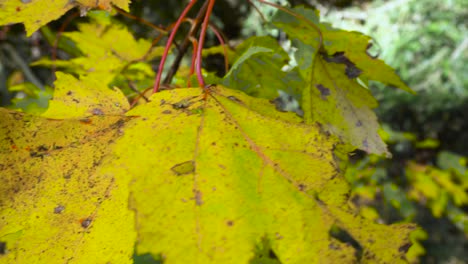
column 428, row 143
column 33, row 100
column 109, row 47
column 258, row 72
column 36, row 13
column 448, row 160
column 219, row 50
column 333, row 96
column 416, row 250
column 85, row 97
column 434, row 185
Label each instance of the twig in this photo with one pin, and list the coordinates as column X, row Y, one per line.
column 22, row 65
column 185, row 44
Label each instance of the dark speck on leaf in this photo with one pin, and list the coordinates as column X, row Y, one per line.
column 333, row 246
column 42, row 148
column 301, row 187
column 352, row 71
column 85, row 223
column 97, row 111
column 69, row 93
column 182, row 104
column 3, row 249
column 166, row 112
column 324, row 91
column 198, row 197
column 278, row 236
column 365, row 143
column 34, row 154
column 359, row 123
column 184, row 168
column 86, row 121
column 404, row 248
column 233, row 98
column 59, row 209
column 339, row 57
column 230, row 223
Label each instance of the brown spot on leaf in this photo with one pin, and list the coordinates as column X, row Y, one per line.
column 181, row 104
column 34, row 154
column 85, row 121
column 42, row 148
column 339, row 57
column 365, row 143
column 183, row 168
column 166, row 112
column 198, row 197
column 278, row 236
column 97, row 111
column 3, row 249
column 59, row 209
column 235, row 99
column 302, row 187
column 352, row 71
column 230, row 223
column 359, row 123
column 404, row 248
column 324, row 91
column 333, row 246
column 85, row 223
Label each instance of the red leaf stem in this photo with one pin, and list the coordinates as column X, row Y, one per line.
column 169, row 43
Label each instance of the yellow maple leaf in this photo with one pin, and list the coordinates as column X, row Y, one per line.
column 36, row 13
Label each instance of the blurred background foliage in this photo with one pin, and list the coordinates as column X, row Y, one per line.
column 426, row 41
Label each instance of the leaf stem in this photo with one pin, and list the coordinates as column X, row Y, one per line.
column 201, row 41
column 222, row 42
column 141, row 20
column 196, row 23
column 169, row 43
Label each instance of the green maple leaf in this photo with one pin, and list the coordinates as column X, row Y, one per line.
column 192, row 180
column 257, row 70
column 334, row 96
